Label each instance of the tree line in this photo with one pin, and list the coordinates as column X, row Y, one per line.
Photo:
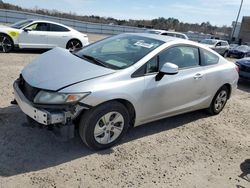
column 158, row 23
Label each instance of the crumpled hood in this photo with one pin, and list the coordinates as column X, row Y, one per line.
column 58, row 68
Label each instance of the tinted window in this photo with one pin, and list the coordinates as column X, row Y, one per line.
column 57, row 28
column 180, row 36
column 38, row 27
column 208, row 58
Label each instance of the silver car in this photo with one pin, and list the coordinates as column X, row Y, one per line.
column 220, row 46
column 125, row 80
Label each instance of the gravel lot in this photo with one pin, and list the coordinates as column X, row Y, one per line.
column 191, row 150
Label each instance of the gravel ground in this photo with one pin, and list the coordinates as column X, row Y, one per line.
column 190, row 150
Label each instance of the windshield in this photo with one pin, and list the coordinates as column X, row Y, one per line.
column 120, row 51
column 243, row 48
column 21, row 24
column 208, row 41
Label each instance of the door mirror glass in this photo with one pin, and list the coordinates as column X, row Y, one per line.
column 169, row 68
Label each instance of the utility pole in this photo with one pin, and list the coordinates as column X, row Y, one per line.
column 237, row 19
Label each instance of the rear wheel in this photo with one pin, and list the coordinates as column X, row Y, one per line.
column 73, row 45
column 6, row 43
column 219, row 101
column 226, row 54
column 103, row 126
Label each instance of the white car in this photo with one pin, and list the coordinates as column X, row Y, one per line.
column 167, row 33
column 40, row 34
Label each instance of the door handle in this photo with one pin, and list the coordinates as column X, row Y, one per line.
column 198, row 76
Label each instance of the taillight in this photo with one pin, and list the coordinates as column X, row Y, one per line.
column 237, row 67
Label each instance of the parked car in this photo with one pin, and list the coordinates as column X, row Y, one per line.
column 125, row 80
column 40, row 34
column 167, row 33
column 220, row 46
column 239, row 52
column 244, row 67
column 232, row 46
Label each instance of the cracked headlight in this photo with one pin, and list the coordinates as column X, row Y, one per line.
column 46, row 97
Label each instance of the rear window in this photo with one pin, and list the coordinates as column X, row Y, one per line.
column 57, row 28
column 208, row 58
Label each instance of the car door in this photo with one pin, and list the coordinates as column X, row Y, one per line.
column 221, row 47
column 58, row 35
column 173, row 94
column 34, row 36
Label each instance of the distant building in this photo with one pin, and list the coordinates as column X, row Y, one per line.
column 244, row 35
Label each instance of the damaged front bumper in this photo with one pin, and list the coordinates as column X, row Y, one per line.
column 46, row 116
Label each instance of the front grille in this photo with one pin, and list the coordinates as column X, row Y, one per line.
column 28, row 91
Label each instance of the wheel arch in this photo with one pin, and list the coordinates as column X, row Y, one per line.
column 73, row 39
column 229, row 87
column 2, row 33
column 127, row 104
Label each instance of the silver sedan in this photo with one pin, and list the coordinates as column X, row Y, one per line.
column 122, row 81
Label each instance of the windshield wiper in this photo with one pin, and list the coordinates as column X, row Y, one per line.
column 95, row 60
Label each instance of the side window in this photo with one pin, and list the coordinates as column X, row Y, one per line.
column 183, row 56
column 208, row 58
column 218, row 44
column 224, row 43
column 38, row 27
column 152, row 65
column 57, row 28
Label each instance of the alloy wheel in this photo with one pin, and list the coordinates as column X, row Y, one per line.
column 220, row 100
column 5, row 44
column 74, row 45
column 109, row 127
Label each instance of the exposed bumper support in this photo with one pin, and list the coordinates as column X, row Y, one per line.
column 41, row 115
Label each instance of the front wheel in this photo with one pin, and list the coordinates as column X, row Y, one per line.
column 104, row 125
column 219, row 101
column 6, row 44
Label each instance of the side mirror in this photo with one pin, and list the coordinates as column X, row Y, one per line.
column 27, row 29
column 167, row 68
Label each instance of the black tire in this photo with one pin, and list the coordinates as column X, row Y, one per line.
column 7, row 43
column 93, row 116
column 213, row 110
column 73, row 45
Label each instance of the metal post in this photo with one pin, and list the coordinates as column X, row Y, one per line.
column 237, row 19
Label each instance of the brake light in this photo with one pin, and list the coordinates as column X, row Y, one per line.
column 237, row 67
